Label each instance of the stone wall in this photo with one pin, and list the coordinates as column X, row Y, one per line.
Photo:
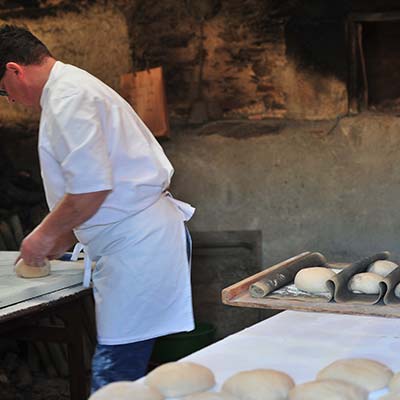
column 94, row 38
column 319, row 186
column 246, row 73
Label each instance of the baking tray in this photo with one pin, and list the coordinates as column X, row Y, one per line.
column 289, row 298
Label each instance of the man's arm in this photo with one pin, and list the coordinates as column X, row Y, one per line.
column 72, row 211
column 63, row 243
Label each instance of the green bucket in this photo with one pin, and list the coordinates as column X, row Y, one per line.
column 173, row 347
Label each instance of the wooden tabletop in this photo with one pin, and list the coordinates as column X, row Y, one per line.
column 18, row 293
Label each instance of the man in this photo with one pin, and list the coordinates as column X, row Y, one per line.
column 105, row 179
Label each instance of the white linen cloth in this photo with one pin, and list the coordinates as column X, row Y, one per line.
column 301, row 344
column 90, row 140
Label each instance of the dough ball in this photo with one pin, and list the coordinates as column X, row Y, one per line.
column 24, row 270
column 210, row 396
column 390, row 396
column 176, row 379
column 394, row 384
column 397, row 290
column 369, row 374
column 124, row 390
column 328, row 389
column 259, row 384
column 382, row 267
column 313, row 279
column 365, row 282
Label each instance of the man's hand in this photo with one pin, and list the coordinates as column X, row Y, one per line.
column 52, row 237
column 36, row 247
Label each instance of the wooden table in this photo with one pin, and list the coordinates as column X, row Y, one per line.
column 19, row 322
column 24, row 302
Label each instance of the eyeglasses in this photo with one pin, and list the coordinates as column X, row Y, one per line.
column 3, row 92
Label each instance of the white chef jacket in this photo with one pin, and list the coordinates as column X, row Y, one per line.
column 90, row 139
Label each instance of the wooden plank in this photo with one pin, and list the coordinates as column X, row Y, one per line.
column 352, row 67
column 363, row 67
column 379, row 310
column 238, row 295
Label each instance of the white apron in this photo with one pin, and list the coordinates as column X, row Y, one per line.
column 141, row 281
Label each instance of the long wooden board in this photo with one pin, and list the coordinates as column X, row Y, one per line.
column 238, row 295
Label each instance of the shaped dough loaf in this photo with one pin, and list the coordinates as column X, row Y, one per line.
column 365, row 282
column 397, row 290
column 313, row 279
column 382, row 267
column 328, row 389
column 24, row 270
column 177, row 379
column 369, row 374
column 125, row 390
column 259, row 384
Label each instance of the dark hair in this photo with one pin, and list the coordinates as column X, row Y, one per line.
column 19, row 45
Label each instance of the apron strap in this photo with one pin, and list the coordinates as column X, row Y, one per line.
column 87, row 275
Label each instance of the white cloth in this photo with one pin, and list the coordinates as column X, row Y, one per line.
column 90, row 140
column 156, row 278
column 301, row 344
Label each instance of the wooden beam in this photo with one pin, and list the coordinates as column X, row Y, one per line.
column 352, row 63
column 363, row 98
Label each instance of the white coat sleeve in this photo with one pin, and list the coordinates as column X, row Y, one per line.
column 78, row 138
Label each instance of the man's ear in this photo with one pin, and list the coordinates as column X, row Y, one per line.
column 15, row 68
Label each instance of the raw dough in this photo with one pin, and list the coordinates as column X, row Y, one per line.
column 24, row 270
column 365, row 282
column 176, row 379
column 259, row 384
column 369, row 374
column 210, row 396
column 125, row 390
column 328, row 389
column 382, row 267
column 394, row 384
column 397, row 290
column 313, row 279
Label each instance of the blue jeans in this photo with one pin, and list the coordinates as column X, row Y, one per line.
column 124, row 362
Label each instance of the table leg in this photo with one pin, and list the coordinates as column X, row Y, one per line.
column 72, row 316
